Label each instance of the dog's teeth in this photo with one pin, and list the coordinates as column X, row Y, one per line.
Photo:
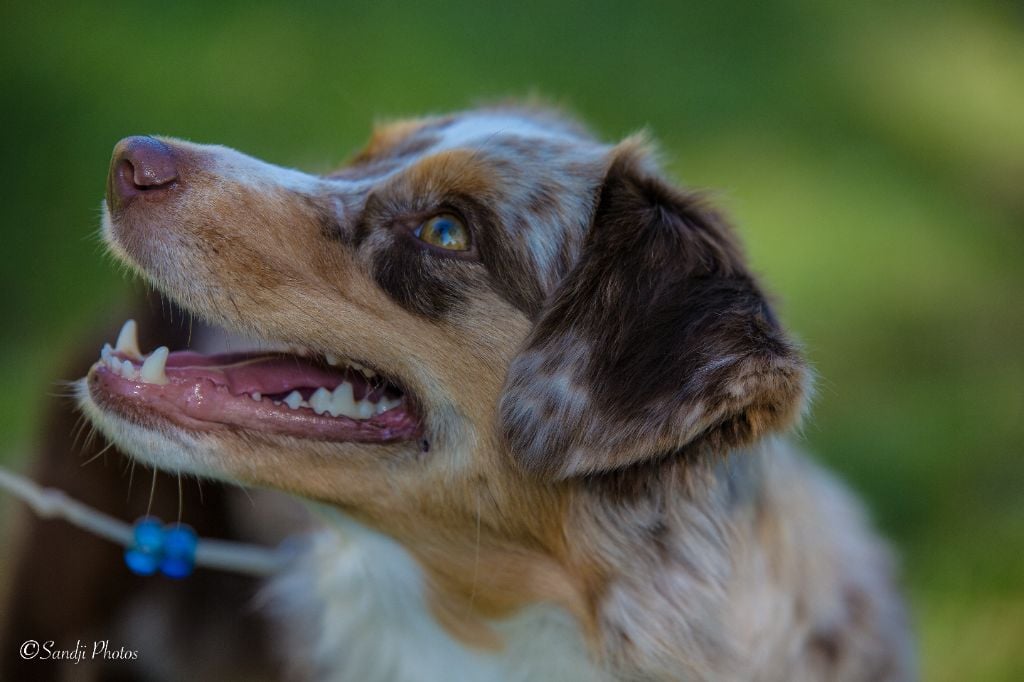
column 293, row 400
column 128, row 369
column 113, row 363
column 331, row 360
column 257, row 396
column 366, row 409
column 128, row 341
column 153, row 368
column 342, row 401
column 320, row 401
column 108, row 359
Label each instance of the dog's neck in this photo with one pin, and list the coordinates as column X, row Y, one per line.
column 367, row 606
column 358, row 607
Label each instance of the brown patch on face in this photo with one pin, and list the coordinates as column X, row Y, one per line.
column 454, row 172
column 658, row 339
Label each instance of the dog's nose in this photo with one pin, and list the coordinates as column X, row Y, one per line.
column 140, row 165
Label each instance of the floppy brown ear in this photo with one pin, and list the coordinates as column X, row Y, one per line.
column 658, row 340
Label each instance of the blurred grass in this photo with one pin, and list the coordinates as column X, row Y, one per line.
column 872, row 155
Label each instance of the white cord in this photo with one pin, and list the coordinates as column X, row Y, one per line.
column 220, row 554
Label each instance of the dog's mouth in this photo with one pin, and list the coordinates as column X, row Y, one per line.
column 290, row 394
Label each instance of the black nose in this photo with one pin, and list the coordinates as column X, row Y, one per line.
column 140, row 165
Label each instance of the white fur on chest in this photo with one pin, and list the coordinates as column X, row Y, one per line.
column 354, row 609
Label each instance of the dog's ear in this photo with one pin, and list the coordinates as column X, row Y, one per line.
column 658, row 341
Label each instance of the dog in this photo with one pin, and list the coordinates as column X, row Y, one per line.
column 534, row 392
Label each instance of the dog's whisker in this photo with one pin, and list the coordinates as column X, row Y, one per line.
column 152, row 493
column 131, row 479
column 99, row 454
column 90, row 437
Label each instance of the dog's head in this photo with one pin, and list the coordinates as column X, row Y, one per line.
column 481, row 306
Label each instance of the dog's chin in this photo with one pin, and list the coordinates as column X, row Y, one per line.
column 162, row 446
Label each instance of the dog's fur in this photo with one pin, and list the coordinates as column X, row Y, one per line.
column 599, row 492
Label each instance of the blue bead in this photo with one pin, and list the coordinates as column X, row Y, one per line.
column 149, row 535
column 141, row 563
column 180, row 542
column 170, row 549
column 176, row 567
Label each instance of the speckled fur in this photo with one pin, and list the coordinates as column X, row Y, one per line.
column 602, row 385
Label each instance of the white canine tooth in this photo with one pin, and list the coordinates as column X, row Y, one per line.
column 256, row 395
column 153, row 368
column 320, row 401
column 342, row 402
column 366, row 409
column 293, row 400
column 331, row 360
column 128, row 341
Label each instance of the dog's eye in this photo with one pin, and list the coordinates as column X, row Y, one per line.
column 444, row 231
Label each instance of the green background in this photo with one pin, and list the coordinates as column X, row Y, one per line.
column 872, row 155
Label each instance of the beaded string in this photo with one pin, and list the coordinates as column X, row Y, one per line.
column 150, row 546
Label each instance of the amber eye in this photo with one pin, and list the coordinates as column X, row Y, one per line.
column 444, row 231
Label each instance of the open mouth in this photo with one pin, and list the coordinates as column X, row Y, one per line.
column 318, row 397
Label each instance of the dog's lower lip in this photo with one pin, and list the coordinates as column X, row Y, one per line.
column 259, row 392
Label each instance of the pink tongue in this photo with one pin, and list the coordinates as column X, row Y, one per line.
column 252, row 373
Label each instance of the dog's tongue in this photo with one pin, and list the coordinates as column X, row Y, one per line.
column 249, row 373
